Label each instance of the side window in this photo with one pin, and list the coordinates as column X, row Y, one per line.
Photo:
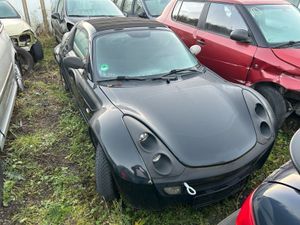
column 127, row 6
column 81, row 43
column 60, row 7
column 138, row 8
column 223, row 19
column 190, row 12
column 176, row 9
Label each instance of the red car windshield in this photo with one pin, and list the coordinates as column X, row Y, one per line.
column 278, row 23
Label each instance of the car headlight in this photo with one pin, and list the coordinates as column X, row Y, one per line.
column 262, row 116
column 26, row 39
column 159, row 160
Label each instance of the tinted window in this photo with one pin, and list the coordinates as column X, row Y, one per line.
column 155, row 7
column 127, row 6
column 278, row 23
column 81, row 43
column 138, row 8
column 7, row 11
column 190, row 12
column 152, row 52
column 85, row 8
column 223, row 19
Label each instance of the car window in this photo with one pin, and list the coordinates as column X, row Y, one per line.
column 156, row 7
column 294, row 2
column 86, row 8
column 127, row 6
column 118, row 3
column 60, row 7
column 81, row 43
column 138, row 8
column 223, row 19
column 176, row 9
column 190, row 12
column 7, row 11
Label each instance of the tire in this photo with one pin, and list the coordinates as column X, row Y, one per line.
column 277, row 102
column 37, row 51
column 19, row 77
column 104, row 181
column 25, row 59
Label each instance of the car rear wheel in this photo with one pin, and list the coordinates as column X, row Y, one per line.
column 104, row 180
column 25, row 59
column 37, row 51
column 276, row 101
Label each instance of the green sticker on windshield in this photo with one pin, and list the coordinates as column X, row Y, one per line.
column 104, row 67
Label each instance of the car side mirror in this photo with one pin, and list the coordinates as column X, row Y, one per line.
column 195, row 49
column 55, row 16
column 73, row 62
column 240, row 35
column 143, row 15
column 295, row 150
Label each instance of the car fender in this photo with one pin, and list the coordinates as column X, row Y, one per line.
column 110, row 131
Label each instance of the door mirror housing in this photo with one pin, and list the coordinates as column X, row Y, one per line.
column 240, row 35
column 143, row 15
column 55, row 16
column 73, row 62
column 295, row 150
column 195, row 49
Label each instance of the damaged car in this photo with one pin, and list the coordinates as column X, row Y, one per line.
column 28, row 47
column 165, row 128
column 10, row 80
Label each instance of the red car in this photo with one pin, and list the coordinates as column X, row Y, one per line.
column 251, row 42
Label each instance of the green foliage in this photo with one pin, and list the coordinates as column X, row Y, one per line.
column 49, row 164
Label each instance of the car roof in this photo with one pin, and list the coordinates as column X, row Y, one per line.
column 102, row 24
column 250, row 2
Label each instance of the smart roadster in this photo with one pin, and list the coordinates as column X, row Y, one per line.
column 165, row 128
column 276, row 201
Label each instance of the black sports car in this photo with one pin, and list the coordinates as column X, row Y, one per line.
column 165, row 128
column 276, row 201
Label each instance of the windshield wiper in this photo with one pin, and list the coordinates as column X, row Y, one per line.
column 175, row 71
column 287, row 44
column 122, row 78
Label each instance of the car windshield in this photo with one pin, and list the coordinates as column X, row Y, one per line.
column 92, row 8
column 140, row 53
column 155, row 7
column 7, row 11
column 278, row 23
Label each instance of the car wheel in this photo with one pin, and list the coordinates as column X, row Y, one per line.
column 25, row 59
column 277, row 102
column 37, row 51
column 19, row 77
column 104, row 181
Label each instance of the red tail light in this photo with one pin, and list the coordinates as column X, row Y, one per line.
column 246, row 215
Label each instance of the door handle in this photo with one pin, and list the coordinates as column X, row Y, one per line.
column 200, row 42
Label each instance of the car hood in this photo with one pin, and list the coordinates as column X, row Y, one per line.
column 15, row 26
column 289, row 55
column 203, row 122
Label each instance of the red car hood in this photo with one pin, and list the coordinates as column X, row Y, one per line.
column 289, row 55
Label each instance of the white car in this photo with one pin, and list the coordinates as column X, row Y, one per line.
column 10, row 80
column 28, row 47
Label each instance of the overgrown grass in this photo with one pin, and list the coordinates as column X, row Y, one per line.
column 49, row 164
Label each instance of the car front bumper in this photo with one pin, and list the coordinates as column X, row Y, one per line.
column 211, row 184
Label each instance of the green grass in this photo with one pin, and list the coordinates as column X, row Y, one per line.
column 49, row 164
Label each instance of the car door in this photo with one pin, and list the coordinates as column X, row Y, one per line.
column 185, row 18
column 81, row 79
column 59, row 25
column 229, row 58
column 8, row 85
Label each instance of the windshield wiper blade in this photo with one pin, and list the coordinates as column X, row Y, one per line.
column 122, row 78
column 175, row 71
column 287, row 44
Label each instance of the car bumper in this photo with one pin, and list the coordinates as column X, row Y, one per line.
column 209, row 189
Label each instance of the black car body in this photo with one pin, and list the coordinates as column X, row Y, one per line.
column 65, row 13
column 182, row 136
column 148, row 9
column 276, row 201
